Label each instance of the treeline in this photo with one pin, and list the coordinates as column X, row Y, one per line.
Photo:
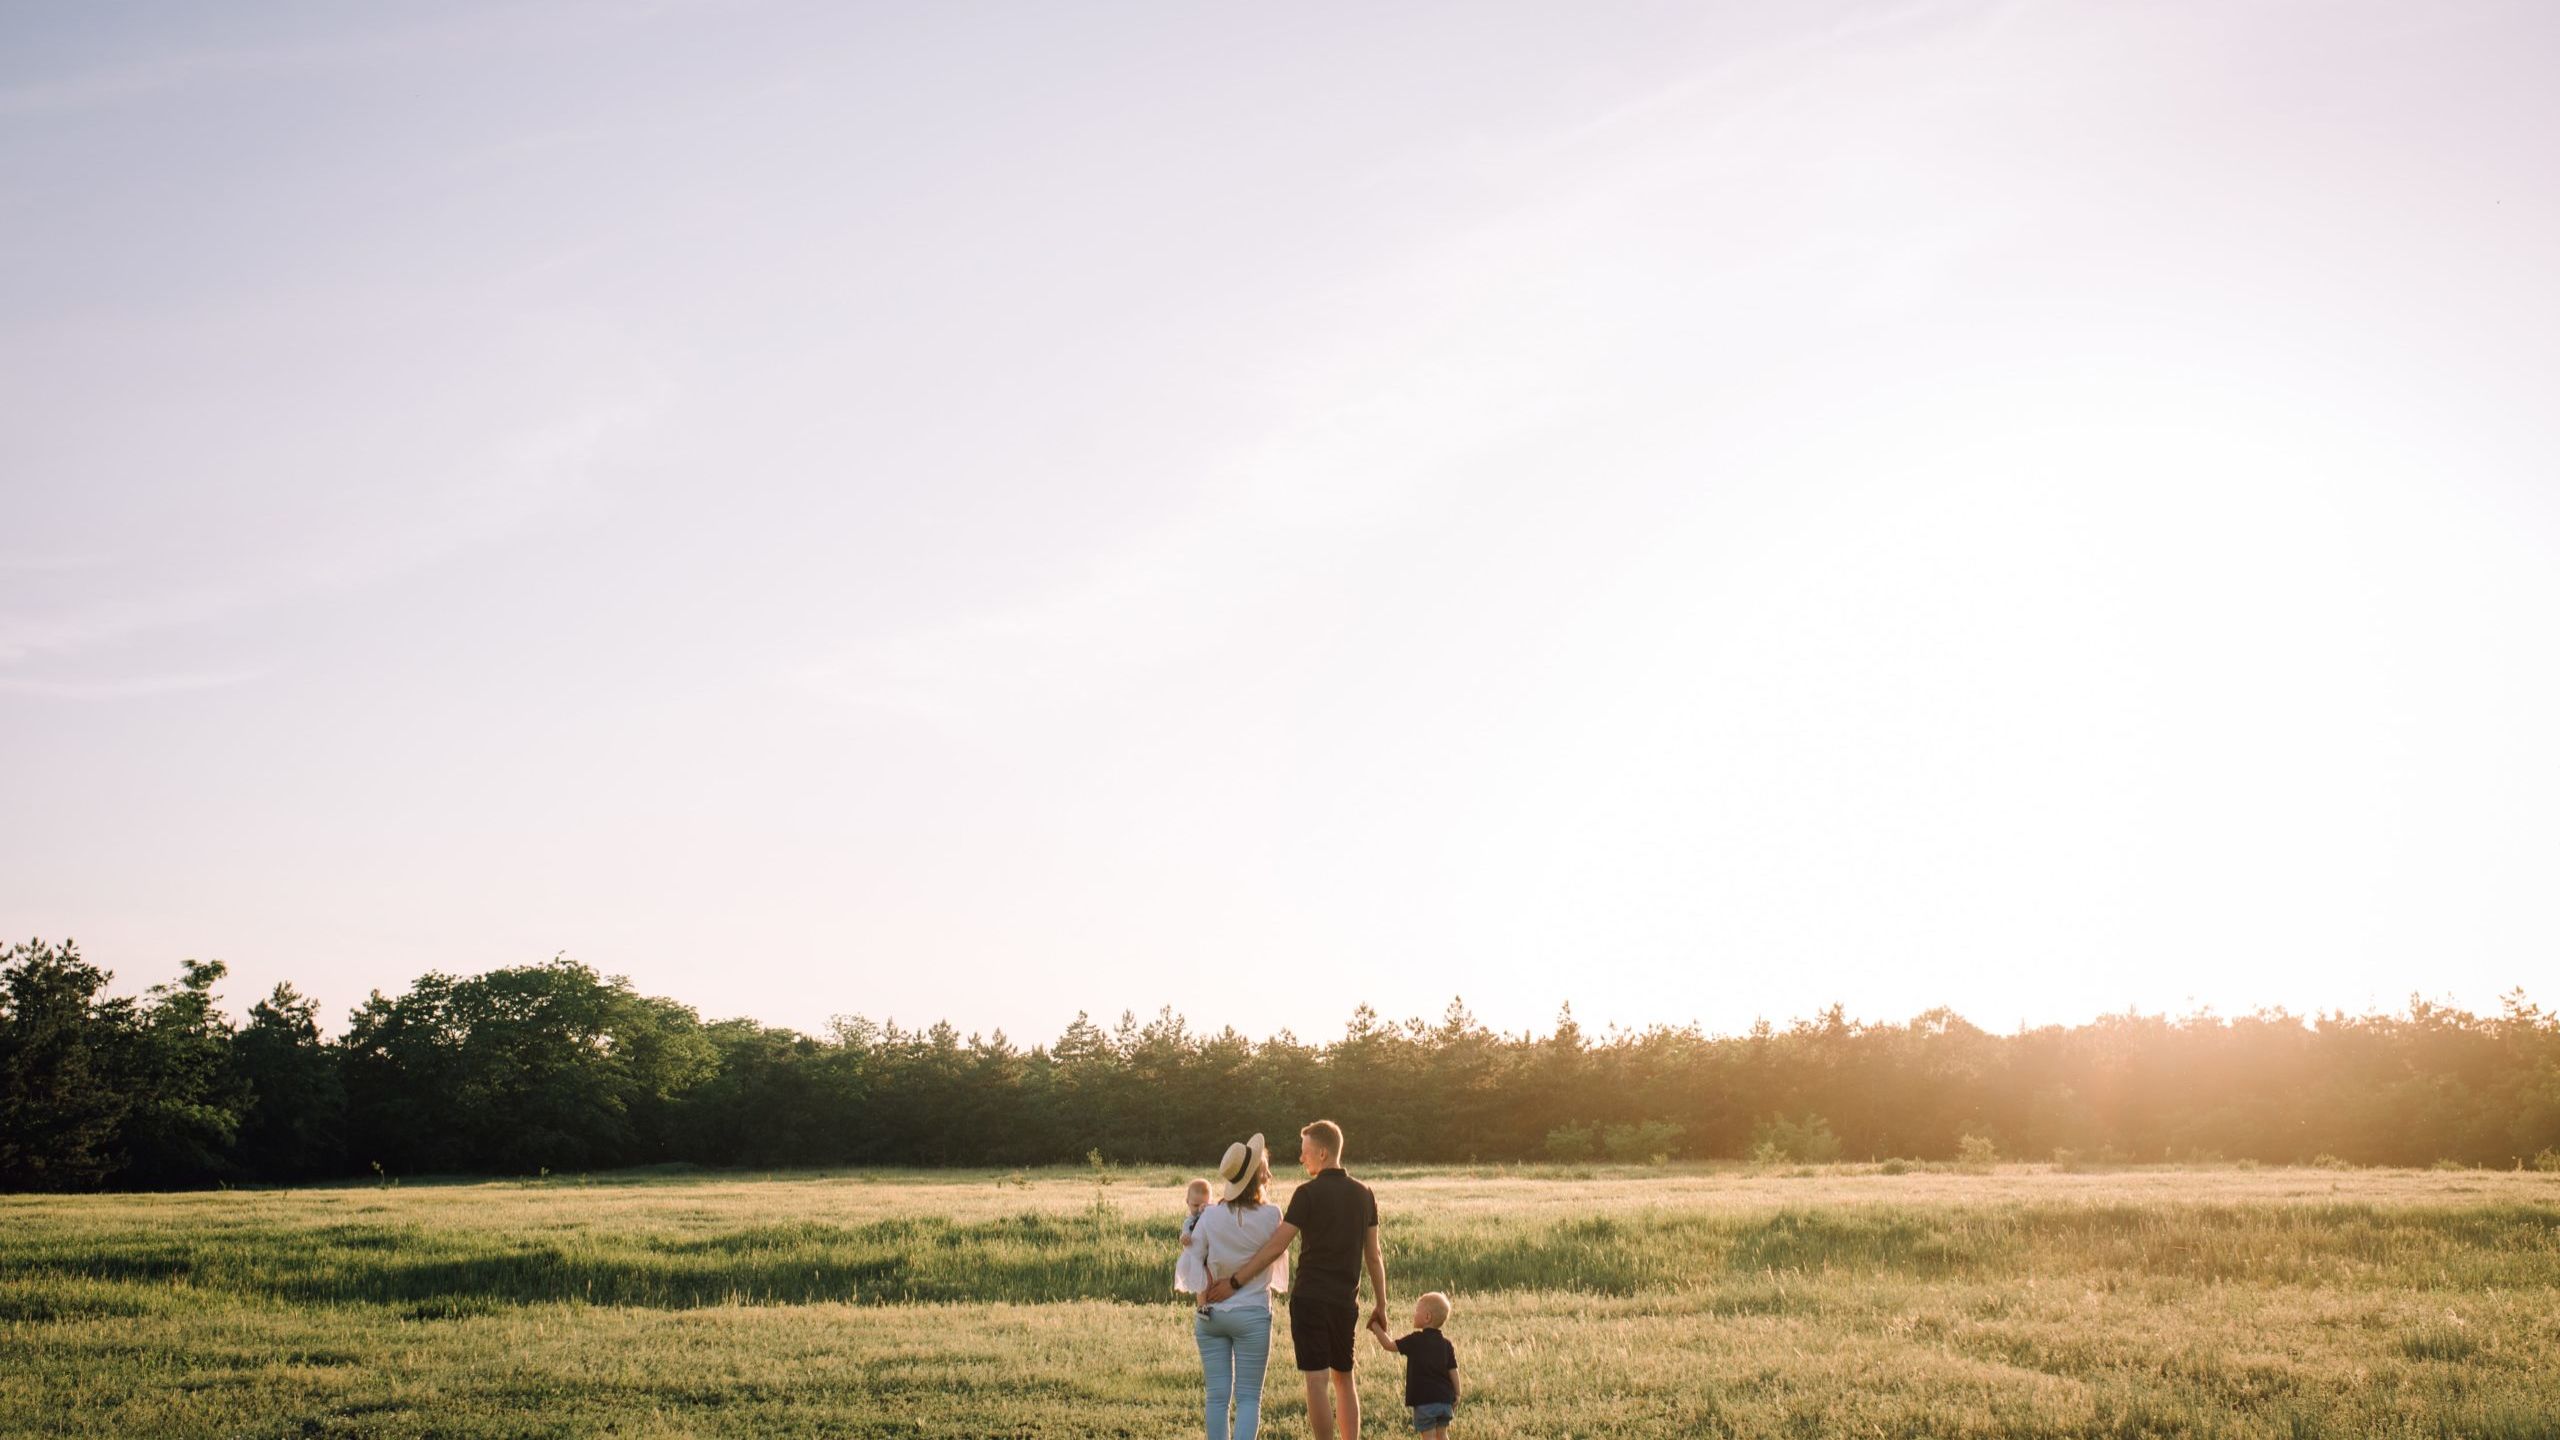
column 555, row 1067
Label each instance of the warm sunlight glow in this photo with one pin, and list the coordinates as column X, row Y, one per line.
column 1700, row 514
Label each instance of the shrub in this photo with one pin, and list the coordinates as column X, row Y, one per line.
column 1977, row 1150
column 2548, row 1162
column 2105, row 1157
column 1651, row 1140
column 1806, row 1140
column 1570, row 1142
column 2326, row 1161
column 1895, row 1167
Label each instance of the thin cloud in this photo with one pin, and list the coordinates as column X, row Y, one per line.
column 49, row 564
column 27, row 637
column 539, row 475
column 125, row 688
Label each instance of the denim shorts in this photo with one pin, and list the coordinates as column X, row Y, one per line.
column 1433, row 1417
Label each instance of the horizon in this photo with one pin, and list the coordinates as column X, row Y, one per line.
column 2037, row 510
column 1593, row 1028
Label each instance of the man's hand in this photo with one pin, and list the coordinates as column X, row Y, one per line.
column 1376, row 1259
column 1378, row 1321
column 1272, row 1249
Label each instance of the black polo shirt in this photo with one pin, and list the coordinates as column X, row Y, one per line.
column 1332, row 1213
column 1429, row 1359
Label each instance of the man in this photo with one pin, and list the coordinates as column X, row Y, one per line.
column 1339, row 1218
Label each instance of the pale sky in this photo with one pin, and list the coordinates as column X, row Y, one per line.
column 981, row 512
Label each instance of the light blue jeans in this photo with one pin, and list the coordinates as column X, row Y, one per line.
column 1235, row 1350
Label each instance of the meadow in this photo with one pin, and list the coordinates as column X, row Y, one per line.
column 1854, row 1300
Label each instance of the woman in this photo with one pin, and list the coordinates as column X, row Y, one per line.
column 1234, row 1335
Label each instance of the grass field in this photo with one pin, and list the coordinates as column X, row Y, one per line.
column 1829, row 1301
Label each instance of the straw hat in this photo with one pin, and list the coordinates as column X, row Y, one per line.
column 1241, row 1164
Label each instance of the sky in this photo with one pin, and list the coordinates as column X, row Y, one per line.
column 987, row 512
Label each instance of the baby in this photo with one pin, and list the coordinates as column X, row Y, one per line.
column 1191, row 1269
column 1430, row 1367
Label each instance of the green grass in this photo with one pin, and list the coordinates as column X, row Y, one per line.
column 1592, row 1302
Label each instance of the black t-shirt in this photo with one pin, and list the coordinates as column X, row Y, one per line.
column 1332, row 1213
column 1429, row 1359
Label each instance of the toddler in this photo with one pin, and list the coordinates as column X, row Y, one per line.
column 1191, row 1268
column 1430, row 1367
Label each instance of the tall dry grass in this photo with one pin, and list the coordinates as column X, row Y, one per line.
column 1614, row 1303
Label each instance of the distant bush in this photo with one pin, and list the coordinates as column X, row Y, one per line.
column 1977, row 1150
column 2326, row 1161
column 2448, row 1165
column 2548, row 1161
column 1651, row 1141
column 1571, row 1142
column 2105, row 1157
column 1895, row 1167
column 1807, row 1140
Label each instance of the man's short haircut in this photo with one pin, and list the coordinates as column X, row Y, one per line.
column 1434, row 1307
column 1327, row 1135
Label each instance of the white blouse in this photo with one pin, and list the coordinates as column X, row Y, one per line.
column 1230, row 1240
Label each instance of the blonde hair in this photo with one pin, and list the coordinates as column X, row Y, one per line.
column 1203, row 1186
column 1434, row 1307
column 1327, row 1135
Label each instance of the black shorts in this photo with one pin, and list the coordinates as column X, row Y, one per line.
column 1325, row 1333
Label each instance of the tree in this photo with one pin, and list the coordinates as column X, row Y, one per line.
column 529, row 1067
column 61, row 1109
column 294, row 1128
column 186, row 1099
column 400, row 1062
column 664, row 1055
